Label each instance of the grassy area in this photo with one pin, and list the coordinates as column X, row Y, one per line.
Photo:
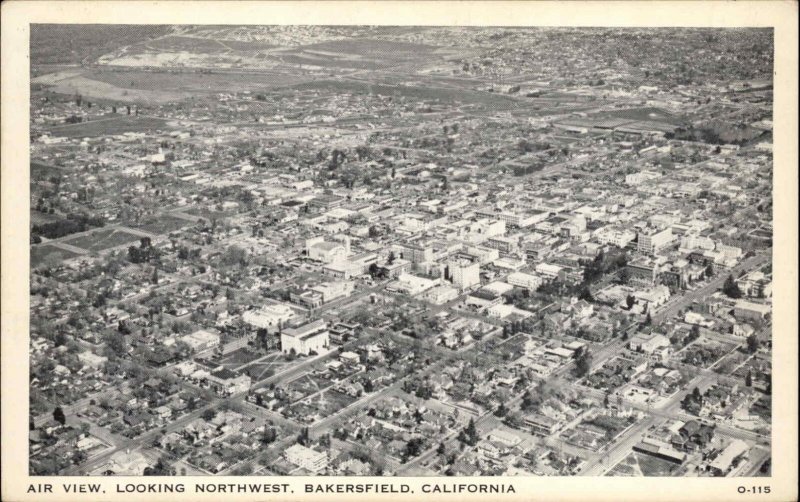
column 50, row 253
column 639, row 464
column 240, row 356
column 163, row 224
column 102, row 239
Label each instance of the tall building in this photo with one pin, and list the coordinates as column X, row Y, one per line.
column 464, row 273
column 651, row 242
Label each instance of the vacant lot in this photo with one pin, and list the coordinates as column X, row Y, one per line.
column 40, row 254
column 101, row 240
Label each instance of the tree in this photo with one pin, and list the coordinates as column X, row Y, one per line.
column 59, row 416
column 209, row 415
column 748, row 380
column 752, row 344
column 269, row 436
column 709, row 272
column 731, row 289
column 583, row 363
column 501, row 410
column 441, row 450
column 470, row 433
column 630, row 301
column 303, row 437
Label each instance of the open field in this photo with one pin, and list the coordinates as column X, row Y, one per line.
column 193, row 81
column 40, row 254
column 163, row 224
column 102, row 239
column 100, row 90
column 115, row 125
column 639, row 464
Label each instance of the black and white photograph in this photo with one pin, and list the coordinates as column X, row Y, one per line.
column 376, row 250
column 465, row 255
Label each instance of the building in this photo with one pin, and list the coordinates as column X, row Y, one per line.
column 326, row 252
column 464, row 273
column 651, row 242
column 749, row 310
column 416, row 253
column 226, row 382
column 642, row 272
column 411, row 284
column 306, row 458
column 269, row 317
column 522, row 280
column 333, row 290
column 722, row 465
column 201, row 340
column 548, row 270
column 311, row 337
column 648, row 342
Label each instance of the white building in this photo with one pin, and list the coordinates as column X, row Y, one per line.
column 201, row 340
column 653, row 241
column 269, row 317
column 306, row 458
column 464, row 273
column 332, row 290
column 522, row 280
column 311, row 337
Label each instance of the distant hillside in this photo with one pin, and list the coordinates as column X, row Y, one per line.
column 72, row 43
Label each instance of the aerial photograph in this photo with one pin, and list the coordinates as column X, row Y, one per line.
column 306, row 250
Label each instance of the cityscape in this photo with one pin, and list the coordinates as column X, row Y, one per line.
column 400, row 251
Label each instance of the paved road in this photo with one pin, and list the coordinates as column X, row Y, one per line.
column 681, row 302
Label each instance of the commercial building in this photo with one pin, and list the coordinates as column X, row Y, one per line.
column 523, row 280
column 651, row 242
column 306, row 458
column 201, row 340
column 311, row 337
column 464, row 273
column 226, row 382
column 269, row 317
